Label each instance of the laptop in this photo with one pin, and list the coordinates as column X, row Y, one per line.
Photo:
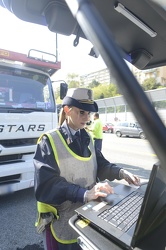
column 126, row 223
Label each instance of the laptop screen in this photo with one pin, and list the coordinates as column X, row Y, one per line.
column 153, row 210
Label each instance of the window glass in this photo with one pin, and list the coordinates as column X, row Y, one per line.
column 124, row 124
column 24, row 89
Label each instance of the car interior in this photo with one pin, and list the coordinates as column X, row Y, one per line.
column 131, row 30
column 138, row 27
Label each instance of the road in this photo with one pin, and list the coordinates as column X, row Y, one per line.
column 133, row 154
column 18, row 210
column 17, row 219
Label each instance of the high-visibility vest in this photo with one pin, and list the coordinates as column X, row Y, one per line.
column 75, row 169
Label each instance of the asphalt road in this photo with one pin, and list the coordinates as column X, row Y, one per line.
column 18, row 210
column 133, row 154
column 17, row 220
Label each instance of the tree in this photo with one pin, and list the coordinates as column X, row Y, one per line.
column 73, row 80
column 56, row 92
column 105, row 90
column 100, row 90
column 93, row 84
column 150, row 84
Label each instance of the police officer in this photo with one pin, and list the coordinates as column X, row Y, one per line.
column 67, row 168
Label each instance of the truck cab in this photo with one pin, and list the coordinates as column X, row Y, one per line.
column 27, row 109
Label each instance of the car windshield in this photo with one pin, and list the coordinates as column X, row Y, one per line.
column 24, row 89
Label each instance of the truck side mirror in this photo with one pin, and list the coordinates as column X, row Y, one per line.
column 63, row 89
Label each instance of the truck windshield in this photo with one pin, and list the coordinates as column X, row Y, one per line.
column 26, row 90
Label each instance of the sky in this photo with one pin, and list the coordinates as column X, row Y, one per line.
column 21, row 36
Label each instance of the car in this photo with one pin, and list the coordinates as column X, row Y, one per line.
column 131, row 129
column 108, row 127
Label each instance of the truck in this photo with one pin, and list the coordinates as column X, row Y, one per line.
column 27, row 109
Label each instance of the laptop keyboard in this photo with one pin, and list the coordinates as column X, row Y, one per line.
column 125, row 213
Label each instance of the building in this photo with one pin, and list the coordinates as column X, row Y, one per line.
column 101, row 76
column 104, row 76
column 158, row 73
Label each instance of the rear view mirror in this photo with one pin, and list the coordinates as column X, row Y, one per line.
column 63, row 89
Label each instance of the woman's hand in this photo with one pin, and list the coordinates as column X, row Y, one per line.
column 130, row 178
column 99, row 190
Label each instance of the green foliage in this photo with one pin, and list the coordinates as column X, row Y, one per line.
column 73, row 80
column 72, row 76
column 159, row 104
column 100, row 91
column 93, row 84
column 105, row 91
column 150, row 84
column 74, row 84
column 57, row 92
column 58, row 100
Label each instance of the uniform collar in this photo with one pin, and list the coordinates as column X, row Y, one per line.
column 68, row 129
column 69, row 138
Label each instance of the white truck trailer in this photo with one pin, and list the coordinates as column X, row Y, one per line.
column 27, row 109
